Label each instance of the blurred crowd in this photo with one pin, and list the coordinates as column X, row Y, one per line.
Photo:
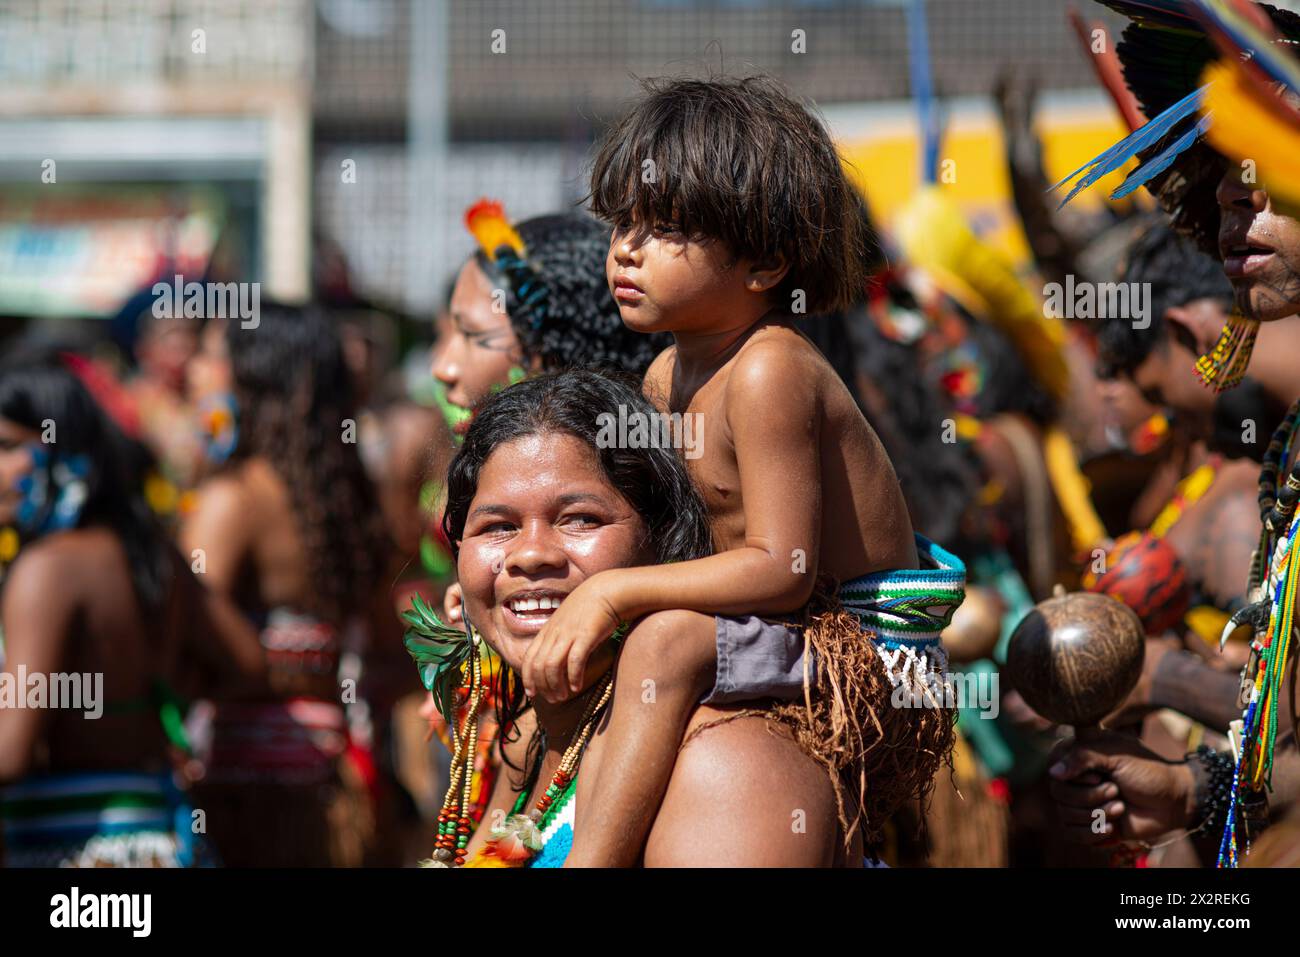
column 237, row 511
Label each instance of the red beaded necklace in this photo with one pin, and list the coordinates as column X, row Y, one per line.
column 519, row 838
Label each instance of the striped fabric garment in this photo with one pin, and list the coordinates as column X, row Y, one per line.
column 295, row 741
column 908, row 610
column 96, row 819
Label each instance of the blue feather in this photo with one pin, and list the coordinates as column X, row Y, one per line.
column 1163, row 160
column 1147, row 135
column 1142, row 137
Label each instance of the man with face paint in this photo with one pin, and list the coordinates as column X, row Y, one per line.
column 1142, row 797
column 1210, row 523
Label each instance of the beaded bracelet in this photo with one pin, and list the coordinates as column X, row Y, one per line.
column 1214, row 789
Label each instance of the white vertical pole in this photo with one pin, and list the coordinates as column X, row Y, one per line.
column 426, row 132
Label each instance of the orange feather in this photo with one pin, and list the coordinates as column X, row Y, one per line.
column 486, row 220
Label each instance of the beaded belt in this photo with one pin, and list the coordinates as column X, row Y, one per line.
column 909, row 608
column 295, row 741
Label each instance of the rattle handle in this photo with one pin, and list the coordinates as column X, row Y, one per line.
column 1083, row 733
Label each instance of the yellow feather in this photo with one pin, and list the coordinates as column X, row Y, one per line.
column 487, row 221
column 1244, row 129
column 936, row 237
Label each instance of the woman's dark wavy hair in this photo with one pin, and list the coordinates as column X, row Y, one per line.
column 36, row 387
column 294, row 396
column 653, row 480
column 577, row 325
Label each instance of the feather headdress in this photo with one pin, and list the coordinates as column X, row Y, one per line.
column 1254, row 123
column 936, row 237
column 502, row 244
column 1249, row 128
column 486, row 221
column 1167, row 53
column 1164, row 52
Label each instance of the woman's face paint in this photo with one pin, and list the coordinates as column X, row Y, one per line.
column 457, row 418
column 53, row 491
column 480, row 348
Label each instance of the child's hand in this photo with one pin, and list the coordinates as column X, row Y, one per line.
column 556, row 663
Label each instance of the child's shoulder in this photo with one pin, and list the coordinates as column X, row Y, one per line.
column 777, row 355
column 657, row 382
column 662, row 364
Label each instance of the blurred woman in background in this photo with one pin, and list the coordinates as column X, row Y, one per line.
column 97, row 606
column 289, row 529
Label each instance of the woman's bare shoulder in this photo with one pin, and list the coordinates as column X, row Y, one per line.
column 69, row 556
column 743, row 794
column 225, row 491
column 227, row 500
column 55, row 575
column 729, row 736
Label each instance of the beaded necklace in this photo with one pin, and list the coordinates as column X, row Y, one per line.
column 519, row 838
column 454, row 822
column 1274, row 587
column 1276, row 507
column 1186, row 494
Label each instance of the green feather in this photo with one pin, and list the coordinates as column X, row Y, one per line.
column 439, row 651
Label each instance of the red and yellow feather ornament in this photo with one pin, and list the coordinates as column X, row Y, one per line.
column 486, row 221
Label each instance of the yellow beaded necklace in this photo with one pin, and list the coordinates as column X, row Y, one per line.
column 518, row 839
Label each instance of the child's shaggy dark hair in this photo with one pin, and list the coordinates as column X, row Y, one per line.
column 578, row 325
column 743, row 162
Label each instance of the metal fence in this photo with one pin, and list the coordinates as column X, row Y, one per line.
column 525, row 85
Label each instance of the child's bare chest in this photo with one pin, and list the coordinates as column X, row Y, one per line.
column 712, row 464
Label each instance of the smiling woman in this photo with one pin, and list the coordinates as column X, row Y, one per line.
column 536, row 507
